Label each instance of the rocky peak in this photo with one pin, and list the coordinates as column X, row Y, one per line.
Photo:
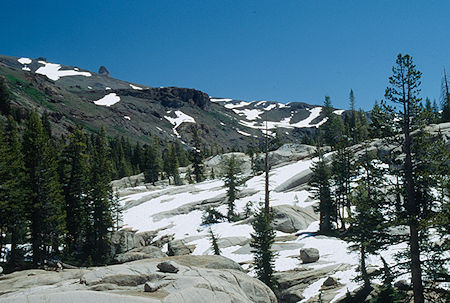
column 103, row 71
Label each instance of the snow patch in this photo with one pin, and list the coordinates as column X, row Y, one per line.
column 127, row 118
column 240, row 104
column 53, row 72
column 107, row 88
column 135, row 87
column 243, row 133
column 26, row 68
column 180, row 118
column 24, row 60
column 108, row 100
column 219, row 100
column 339, row 111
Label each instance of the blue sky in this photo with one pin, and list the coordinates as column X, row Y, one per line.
column 250, row 50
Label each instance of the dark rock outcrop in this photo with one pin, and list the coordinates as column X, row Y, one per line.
column 103, row 71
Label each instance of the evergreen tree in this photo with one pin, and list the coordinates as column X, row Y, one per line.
column 320, row 183
column 262, row 240
column 46, row 206
column 197, row 158
column 404, row 90
column 342, row 174
column 380, row 122
column 181, row 154
column 445, row 95
column 13, row 195
column 153, row 161
column 369, row 224
column 5, row 97
column 100, row 199
column 213, row 238
column 173, row 164
column 232, row 182
column 75, row 188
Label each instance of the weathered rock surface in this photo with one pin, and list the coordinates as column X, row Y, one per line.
column 146, row 252
column 125, row 240
column 168, row 267
column 290, row 219
column 207, row 279
column 179, row 248
column 309, row 255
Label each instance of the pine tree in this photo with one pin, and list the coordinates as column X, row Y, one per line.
column 342, row 174
column 369, row 224
column 404, row 90
column 5, row 97
column 197, row 158
column 380, row 122
column 46, row 206
column 75, row 188
column 445, row 96
column 13, row 195
column 320, row 183
column 232, row 182
column 100, row 199
column 153, row 161
column 262, row 240
column 214, row 239
column 173, row 164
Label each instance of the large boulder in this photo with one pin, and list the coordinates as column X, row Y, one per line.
column 309, row 255
column 125, row 240
column 179, row 248
column 290, row 219
column 146, row 252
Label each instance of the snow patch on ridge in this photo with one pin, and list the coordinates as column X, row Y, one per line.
column 135, row 87
column 24, row 60
column 108, row 100
column 53, row 72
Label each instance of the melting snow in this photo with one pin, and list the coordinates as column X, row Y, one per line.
column 24, row 60
column 53, row 72
column 250, row 114
column 339, row 111
column 127, row 117
column 180, row 118
column 108, row 100
column 244, row 133
column 219, row 100
column 240, row 104
column 107, row 88
column 136, row 87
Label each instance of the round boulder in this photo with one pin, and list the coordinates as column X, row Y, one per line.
column 309, row 255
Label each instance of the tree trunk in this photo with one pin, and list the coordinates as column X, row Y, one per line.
column 412, row 210
column 364, row 274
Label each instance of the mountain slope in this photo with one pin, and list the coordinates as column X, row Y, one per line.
column 74, row 95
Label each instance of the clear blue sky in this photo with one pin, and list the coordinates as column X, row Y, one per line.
column 250, row 50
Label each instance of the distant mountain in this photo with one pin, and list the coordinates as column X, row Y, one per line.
column 74, row 95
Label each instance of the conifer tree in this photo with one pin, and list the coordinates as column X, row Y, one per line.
column 46, row 202
column 380, row 122
column 5, row 97
column 100, row 198
column 320, row 183
column 232, row 182
column 214, row 238
column 75, row 188
column 404, row 90
column 445, row 95
column 173, row 164
column 197, row 158
column 13, row 194
column 262, row 240
column 153, row 161
column 369, row 224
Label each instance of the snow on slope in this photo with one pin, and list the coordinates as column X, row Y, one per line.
column 53, row 72
column 180, row 118
column 286, row 122
column 108, row 100
column 176, row 210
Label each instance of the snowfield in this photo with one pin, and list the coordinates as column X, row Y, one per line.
column 108, row 100
column 177, row 211
column 53, row 72
column 180, row 118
